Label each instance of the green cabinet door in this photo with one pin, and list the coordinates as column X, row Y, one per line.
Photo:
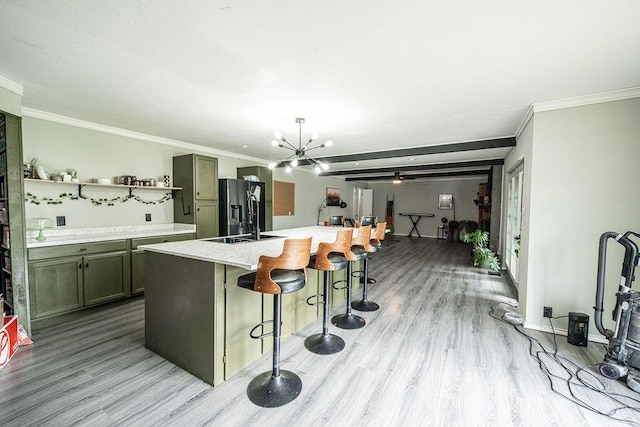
column 206, row 178
column 137, row 271
column 55, row 286
column 206, row 219
column 106, row 277
column 242, row 311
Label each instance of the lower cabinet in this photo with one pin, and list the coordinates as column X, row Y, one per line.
column 55, row 286
column 106, row 277
column 66, row 278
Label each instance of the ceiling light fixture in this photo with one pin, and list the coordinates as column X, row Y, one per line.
column 396, row 178
column 299, row 152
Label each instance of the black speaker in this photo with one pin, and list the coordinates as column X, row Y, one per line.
column 578, row 331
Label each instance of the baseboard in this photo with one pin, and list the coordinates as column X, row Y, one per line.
column 562, row 332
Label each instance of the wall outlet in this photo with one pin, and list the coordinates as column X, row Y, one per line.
column 60, row 221
column 547, row 312
column 147, row 217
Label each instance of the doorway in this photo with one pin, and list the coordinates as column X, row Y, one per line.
column 514, row 221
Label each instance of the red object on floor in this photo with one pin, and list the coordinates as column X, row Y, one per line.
column 8, row 339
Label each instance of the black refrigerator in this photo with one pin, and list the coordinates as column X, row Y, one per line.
column 235, row 209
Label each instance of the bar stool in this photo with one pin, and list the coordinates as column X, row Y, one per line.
column 277, row 275
column 375, row 246
column 330, row 257
column 359, row 246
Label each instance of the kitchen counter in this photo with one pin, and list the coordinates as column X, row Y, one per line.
column 70, row 236
column 199, row 319
column 244, row 255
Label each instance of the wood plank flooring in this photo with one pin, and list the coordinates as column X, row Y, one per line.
column 431, row 356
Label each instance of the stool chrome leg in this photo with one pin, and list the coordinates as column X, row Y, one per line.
column 348, row 320
column 364, row 304
column 325, row 343
column 278, row 387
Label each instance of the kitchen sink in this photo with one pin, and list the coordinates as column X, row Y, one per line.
column 243, row 238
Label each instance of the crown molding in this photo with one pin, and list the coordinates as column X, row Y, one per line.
column 596, row 98
column 525, row 121
column 56, row 118
column 11, row 85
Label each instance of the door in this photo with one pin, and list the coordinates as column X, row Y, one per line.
column 106, row 277
column 206, row 219
column 55, row 286
column 206, row 178
column 514, row 221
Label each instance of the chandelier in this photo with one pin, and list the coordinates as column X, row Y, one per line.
column 299, row 152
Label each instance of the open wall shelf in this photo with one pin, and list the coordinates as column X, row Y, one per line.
column 80, row 185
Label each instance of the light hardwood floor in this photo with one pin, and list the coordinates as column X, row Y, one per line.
column 431, row 356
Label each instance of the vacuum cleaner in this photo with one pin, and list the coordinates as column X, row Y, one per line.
column 622, row 359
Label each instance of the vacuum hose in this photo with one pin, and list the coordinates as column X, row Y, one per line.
column 628, row 267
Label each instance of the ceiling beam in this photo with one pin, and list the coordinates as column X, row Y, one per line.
column 452, row 165
column 422, row 175
column 423, row 151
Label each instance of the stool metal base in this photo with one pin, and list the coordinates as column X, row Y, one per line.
column 324, row 344
column 270, row 392
column 348, row 321
column 364, row 305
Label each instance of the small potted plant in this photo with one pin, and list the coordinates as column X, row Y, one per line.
column 483, row 257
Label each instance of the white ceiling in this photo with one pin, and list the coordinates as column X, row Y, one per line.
column 368, row 75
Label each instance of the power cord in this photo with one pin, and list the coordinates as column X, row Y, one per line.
column 572, row 378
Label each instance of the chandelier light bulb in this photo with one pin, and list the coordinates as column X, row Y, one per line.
column 300, row 154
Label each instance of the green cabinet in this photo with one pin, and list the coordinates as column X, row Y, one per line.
column 55, row 286
column 69, row 277
column 264, row 175
column 197, row 202
column 137, row 257
column 206, row 178
column 206, row 219
column 106, row 277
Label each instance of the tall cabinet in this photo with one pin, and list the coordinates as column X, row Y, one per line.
column 264, row 175
column 197, row 202
column 12, row 245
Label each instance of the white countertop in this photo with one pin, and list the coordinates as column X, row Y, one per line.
column 246, row 254
column 57, row 237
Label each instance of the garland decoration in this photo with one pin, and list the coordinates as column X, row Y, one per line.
column 32, row 198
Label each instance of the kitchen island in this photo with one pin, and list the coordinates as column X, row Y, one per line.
column 196, row 316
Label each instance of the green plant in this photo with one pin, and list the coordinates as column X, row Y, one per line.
column 482, row 256
column 479, row 238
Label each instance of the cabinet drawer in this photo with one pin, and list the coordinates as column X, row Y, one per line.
column 160, row 239
column 78, row 249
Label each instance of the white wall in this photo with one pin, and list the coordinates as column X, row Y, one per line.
column 97, row 154
column 422, row 197
column 310, row 191
column 583, row 174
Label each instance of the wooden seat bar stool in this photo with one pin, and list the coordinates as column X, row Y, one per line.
column 360, row 245
column 277, row 275
column 375, row 246
column 330, row 257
